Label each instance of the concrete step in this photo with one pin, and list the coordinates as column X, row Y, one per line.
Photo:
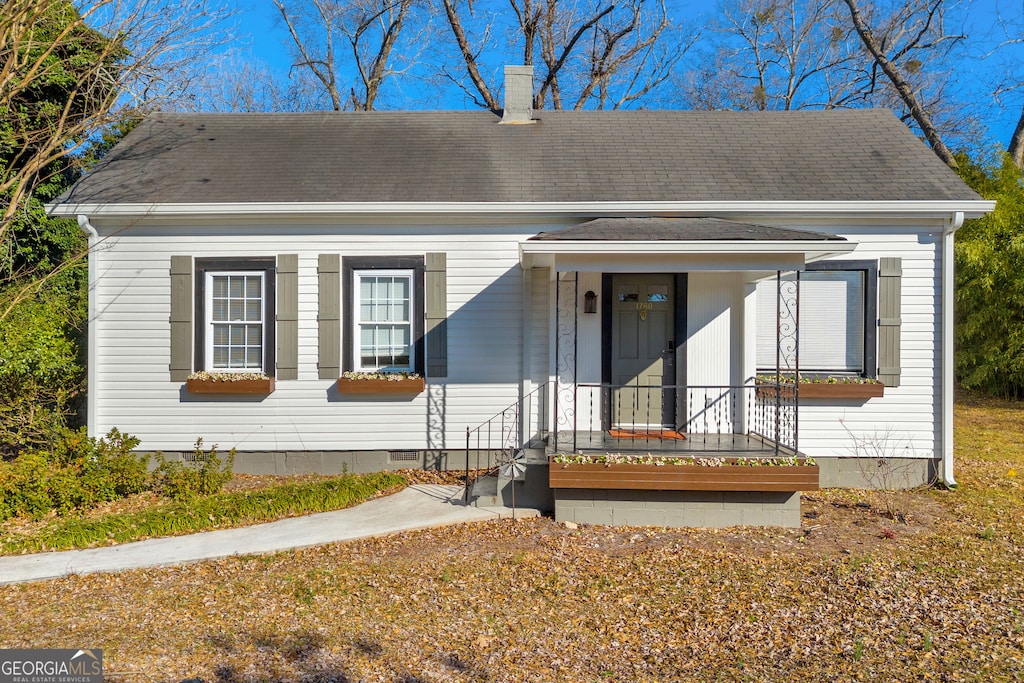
column 484, row 486
column 533, row 491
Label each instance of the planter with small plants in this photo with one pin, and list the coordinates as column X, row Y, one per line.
column 682, row 473
column 239, row 383
column 381, row 383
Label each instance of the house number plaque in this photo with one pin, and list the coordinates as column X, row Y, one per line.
column 643, row 308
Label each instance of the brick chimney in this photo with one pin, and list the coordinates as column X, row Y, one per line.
column 518, row 95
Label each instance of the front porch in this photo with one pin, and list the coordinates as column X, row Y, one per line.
column 757, row 420
column 732, row 462
column 655, row 334
column 650, row 328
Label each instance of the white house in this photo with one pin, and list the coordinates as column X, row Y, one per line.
column 612, row 276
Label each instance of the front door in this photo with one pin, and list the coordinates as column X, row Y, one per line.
column 643, row 351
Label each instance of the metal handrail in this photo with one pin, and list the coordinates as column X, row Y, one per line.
column 507, row 427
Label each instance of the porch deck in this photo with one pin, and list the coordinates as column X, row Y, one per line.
column 712, row 445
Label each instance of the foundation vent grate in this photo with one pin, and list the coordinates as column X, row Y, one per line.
column 403, row 456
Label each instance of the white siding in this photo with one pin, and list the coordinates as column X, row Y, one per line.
column 907, row 417
column 133, row 391
column 714, row 352
column 714, row 321
column 485, row 296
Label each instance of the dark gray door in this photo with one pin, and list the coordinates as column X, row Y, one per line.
column 643, row 357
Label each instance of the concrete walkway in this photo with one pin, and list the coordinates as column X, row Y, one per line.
column 416, row 507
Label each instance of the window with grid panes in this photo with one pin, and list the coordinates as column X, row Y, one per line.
column 384, row 320
column 236, row 319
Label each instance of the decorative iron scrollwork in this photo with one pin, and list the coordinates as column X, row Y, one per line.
column 566, row 342
column 789, row 323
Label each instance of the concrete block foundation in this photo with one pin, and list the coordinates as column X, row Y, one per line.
column 874, row 473
column 677, row 508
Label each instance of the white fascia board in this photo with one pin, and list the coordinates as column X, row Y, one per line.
column 970, row 208
column 593, row 255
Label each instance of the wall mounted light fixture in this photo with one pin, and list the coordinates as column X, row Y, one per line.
column 590, row 302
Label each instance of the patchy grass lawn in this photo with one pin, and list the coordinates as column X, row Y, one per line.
column 148, row 516
column 852, row 595
column 245, row 500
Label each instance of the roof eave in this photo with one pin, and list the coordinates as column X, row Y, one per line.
column 971, row 208
column 810, row 249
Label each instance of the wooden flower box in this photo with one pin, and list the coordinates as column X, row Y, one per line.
column 728, row 477
column 854, row 390
column 254, row 387
column 841, row 390
column 381, row 387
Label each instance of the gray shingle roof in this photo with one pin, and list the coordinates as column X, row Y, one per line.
column 678, row 229
column 859, row 155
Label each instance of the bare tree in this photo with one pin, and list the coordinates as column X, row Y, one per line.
column 237, row 84
column 1006, row 78
column 592, row 53
column 470, row 55
column 370, row 31
column 69, row 70
column 772, row 54
column 792, row 54
column 914, row 26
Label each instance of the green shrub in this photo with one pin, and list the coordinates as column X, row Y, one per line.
column 41, row 376
column 105, row 469
column 78, row 472
column 31, row 491
column 66, row 490
column 204, row 474
column 122, row 472
column 989, row 285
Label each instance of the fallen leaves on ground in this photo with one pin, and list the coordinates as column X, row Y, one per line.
column 852, row 595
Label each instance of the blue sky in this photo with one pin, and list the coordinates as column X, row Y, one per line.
column 260, row 33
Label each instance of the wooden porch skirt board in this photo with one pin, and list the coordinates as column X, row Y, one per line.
column 684, row 477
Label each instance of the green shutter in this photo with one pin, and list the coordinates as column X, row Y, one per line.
column 329, row 315
column 436, row 313
column 288, row 316
column 181, row 318
column 890, row 272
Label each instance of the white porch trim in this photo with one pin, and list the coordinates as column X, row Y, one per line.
column 677, row 256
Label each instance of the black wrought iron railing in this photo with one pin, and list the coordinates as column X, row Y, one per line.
column 504, row 437
column 676, row 417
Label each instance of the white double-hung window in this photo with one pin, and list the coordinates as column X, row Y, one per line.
column 236, row 319
column 384, row 320
column 837, row 316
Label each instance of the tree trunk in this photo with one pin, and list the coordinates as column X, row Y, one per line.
column 1016, row 147
column 467, row 55
column 903, row 88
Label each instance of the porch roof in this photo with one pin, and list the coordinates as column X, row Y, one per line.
column 680, row 230
column 699, row 243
